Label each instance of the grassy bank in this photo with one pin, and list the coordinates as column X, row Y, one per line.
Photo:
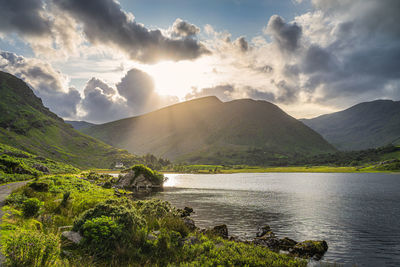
column 214, row 169
column 115, row 231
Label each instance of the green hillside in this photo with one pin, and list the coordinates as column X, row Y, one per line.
column 206, row 130
column 78, row 125
column 26, row 124
column 366, row 125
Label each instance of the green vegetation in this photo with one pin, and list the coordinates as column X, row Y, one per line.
column 154, row 176
column 371, row 160
column 208, row 131
column 114, row 231
column 18, row 165
column 26, row 124
column 365, row 125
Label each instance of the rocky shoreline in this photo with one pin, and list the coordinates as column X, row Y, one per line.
column 309, row 249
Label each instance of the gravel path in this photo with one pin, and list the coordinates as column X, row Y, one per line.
column 5, row 190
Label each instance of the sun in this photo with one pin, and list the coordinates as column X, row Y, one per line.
column 178, row 78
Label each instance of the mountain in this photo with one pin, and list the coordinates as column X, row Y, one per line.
column 206, row 130
column 26, row 124
column 79, row 125
column 366, row 125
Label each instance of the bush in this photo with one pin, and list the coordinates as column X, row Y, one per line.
column 113, row 217
column 31, row 249
column 101, row 235
column 155, row 208
column 31, row 207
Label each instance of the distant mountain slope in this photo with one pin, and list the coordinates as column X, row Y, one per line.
column 206, row 130
column 79, row 125
column 26, row 124
column 366, row 125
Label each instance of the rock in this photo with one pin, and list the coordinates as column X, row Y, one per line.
column 220, row 230
column 310, row 249
column 186, row 211
column 39, row 186
column 41, row 168
column 263, row 230
column 268, row 239
column 286, row 243
column 190, row 224
column 72, row 236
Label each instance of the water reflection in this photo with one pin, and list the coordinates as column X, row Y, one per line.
column 358, row 214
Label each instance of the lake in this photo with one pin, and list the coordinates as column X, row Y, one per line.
column 357, row 214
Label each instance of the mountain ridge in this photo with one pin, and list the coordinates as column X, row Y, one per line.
column 25, row 123
column 365, row 125
column 205, row 129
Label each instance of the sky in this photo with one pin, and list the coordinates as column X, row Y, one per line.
column 103, row 60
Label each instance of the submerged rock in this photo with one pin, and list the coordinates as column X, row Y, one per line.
column 310, row 249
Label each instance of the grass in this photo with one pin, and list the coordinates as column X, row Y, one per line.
column 116, row 231
column 212, row 169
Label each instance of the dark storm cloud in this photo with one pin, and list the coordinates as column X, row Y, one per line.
column 24, row 16
column 185, row 29
column 47, row 83
column 101, row 104
column 287, row 35
column 362, row 61
column 134, row 95
column 104, row 22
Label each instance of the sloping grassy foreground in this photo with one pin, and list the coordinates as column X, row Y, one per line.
column 116, row 231
column 18, row 165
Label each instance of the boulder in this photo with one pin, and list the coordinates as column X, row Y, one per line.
column 286, row 243
column 187, row 211
column 263, row 230
column 220, row 230
column 269, row 240
column 310, row 249
column 72, row 236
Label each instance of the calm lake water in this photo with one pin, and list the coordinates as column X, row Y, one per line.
column 357, row 214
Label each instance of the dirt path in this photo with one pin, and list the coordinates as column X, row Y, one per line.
column 5, row 190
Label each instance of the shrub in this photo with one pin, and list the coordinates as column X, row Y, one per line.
column 101, row 235
column 155, row 208
column 31, row 207
column 121, row 210
column 31, row 249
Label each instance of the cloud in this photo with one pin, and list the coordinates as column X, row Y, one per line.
column 184, row 29
column 46, row 82
column 133, row 95
column 228, row 92
column 242, row 44
column 24, row 17
column 287, row 35
column 105, row 23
